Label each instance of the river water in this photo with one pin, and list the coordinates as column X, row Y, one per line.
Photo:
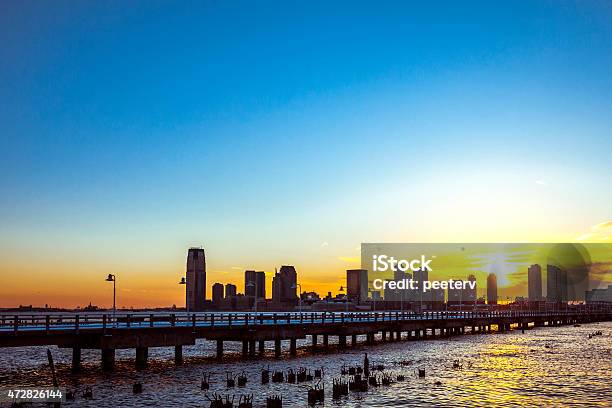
column 499, row 369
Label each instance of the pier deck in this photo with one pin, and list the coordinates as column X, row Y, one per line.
column 108, row 332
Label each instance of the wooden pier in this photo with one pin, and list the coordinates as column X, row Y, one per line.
column 141, row 331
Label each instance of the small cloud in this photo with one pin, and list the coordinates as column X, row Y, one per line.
column 237, row 268
column 541, row 182
column 349, row 259
column 598, row 232
column 324, row 244
column 601, row 226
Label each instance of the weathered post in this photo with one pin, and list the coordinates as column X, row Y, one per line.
column 277, row 347
column 108, row 359
column 142, row 355
column 76, row 359
column 293, row 347
column 219, row 349
column 178, row 354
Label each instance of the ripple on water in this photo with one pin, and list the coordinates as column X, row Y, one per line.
column 507, row 369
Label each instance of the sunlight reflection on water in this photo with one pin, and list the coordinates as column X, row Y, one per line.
column 499, row 369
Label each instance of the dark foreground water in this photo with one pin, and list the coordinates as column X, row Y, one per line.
column 506, row 369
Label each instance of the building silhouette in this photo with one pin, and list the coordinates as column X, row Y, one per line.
column 217, row 294
column 255, row 284
column 230, row 291
column 534, row 283
column 284, row 285
column 556, row 284
column 470, row 295
column 398, row 295
column 465, row 295
column 195, row 288
column 599, row 295
column 492, row 289
column 357, row 285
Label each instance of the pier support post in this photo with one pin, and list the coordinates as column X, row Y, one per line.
column 219, row 349
column 142, row 355
column 277, row 347
column 399, row 335
column 354, row 340
column 108, row 359
column 314, row 341
column 262, row 347
column 245, row 348
column 178, row 355
column 342, row 341
column 251, row 348
column 76, row 359
column 293, row 347
column 325, row 340
column 384, row 335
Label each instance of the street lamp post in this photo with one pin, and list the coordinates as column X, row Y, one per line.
column 345, row 297
column 113, row 278
column 184, row 282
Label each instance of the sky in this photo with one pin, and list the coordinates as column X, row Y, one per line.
column 275, row 133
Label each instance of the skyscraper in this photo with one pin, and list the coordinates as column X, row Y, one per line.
column 534, row 283
column 470, row 295
column 284, row 285
column 217, row 293
column 230, row 290
column 492, row 289
column 357, row 284
column 196, row 280
column 556, row 284
column 255, row 284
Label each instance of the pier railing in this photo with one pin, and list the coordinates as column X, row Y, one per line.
column 125, row 321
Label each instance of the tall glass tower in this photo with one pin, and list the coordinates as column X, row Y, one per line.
column 196, row 280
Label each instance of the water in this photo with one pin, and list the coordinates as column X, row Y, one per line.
column 506, row 369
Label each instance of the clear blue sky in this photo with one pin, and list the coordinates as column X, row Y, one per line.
column 267, row 131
